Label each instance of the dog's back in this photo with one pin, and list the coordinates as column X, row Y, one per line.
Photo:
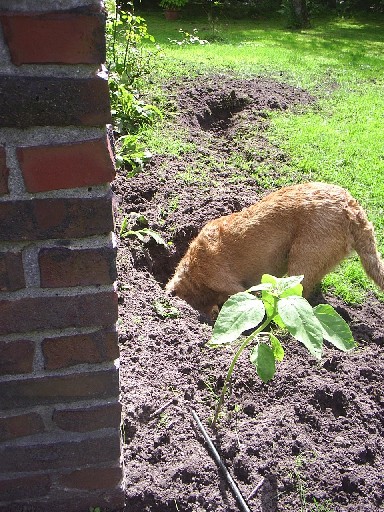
column 303, row 229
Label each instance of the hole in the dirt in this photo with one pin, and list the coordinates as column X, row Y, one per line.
column 162, row 262
column 144, row 412
column 249, row 409
column 220, row 111
column 332, row 364
column 336, row 401
column 157, row 456
column 352, row 484
column 365, row 456
column 242, row 471
column 185, row 475
column 163, row 439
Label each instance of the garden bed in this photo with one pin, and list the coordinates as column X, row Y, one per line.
column 313, row 437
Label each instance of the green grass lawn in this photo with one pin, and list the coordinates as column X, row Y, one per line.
column 339, row 139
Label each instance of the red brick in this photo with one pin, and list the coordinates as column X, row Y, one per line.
column 26, row 487
column 60, row 38
column 11, row 271
column 64, row 166
column 4, row 172
column 16, row 357
column 92, row 479
column 40, row 219
column 91, row 418
column 53, row 101
column 61, row 389
column 61, row 266
column 30, row 314
column 20, row 426
column 60, row 454
column 65, row 351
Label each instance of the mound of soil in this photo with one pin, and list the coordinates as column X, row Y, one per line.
column 312, row 439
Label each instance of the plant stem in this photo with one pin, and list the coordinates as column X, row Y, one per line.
column 245, row 343
column 114, row 36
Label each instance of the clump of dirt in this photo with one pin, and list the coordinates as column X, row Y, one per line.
column 311, row 438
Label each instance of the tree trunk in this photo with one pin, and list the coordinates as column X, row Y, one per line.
column 301, row 13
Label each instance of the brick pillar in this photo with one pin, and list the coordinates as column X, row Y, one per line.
column 59, row 386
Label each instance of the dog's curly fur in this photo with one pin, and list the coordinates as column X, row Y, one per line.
column 302, row 229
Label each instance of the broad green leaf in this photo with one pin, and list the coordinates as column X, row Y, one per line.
column 123, row 227
column 260, row 287
column 295, row 290
column 267, row 278
column 240, row 312
column 157, row 238
column 335, row 328
column 277, row 348
column 263, row 359
column 269, row 303
column 284, row 286
column 301, row 322
column 139, row 235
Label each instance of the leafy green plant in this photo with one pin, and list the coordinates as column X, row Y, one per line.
column 276, row 302
column 142, row 233
column 174, row 202
column 131, row 154
column 131, row 113
column 129, row 61
column 173, row 4
column 210, row 383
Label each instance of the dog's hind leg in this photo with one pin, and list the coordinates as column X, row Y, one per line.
column 314, row 260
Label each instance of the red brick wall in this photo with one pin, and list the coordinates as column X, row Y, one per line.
column 59, row 385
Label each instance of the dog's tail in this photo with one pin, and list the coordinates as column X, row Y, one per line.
column 364, row 243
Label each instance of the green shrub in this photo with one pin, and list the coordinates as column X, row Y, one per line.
column 129, row 62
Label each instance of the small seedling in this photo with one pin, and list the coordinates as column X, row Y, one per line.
column 300, row 483
column 276, row 302
column 174, row 203
column 164, row 309
column 142, row 233
column 210, row 384
column 163, row 420
column 301, row 486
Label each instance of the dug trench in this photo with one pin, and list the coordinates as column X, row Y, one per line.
column 313, row 437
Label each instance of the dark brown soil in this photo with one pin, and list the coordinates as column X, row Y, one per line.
column 313, row 437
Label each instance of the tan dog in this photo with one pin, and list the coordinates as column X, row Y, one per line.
column 303, row 229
